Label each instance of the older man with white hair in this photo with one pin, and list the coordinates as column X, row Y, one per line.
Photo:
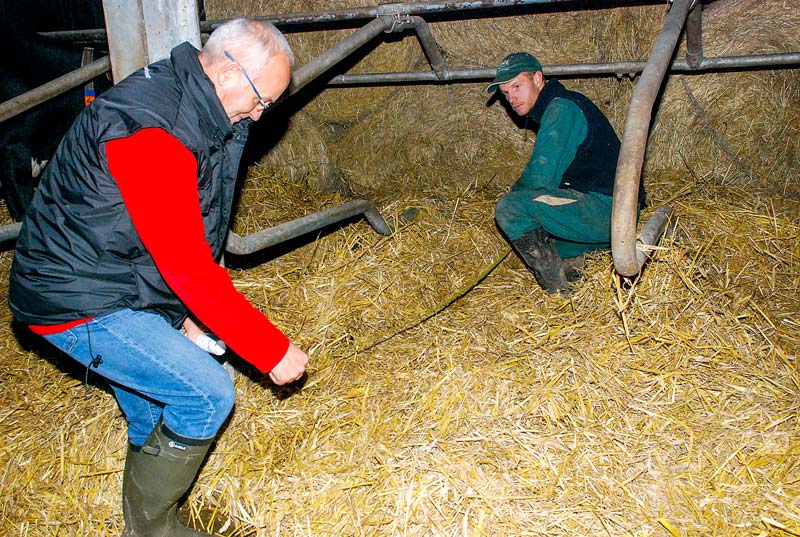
column 120, row 249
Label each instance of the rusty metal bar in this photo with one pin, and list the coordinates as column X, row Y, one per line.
column 694, row 35
column 308, row 72
column 634, row 141
column 618, row 69
column 431, row 48
column 271, row 236
column 29, row 99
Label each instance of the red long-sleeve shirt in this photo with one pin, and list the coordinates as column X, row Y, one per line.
column 157, row 177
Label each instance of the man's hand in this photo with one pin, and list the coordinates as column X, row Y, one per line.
column 291, row 367
column 196, row 334
column 191, row 329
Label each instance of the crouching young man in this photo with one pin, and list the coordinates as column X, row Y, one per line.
column 560, row 207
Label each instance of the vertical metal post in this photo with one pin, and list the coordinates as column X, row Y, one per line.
column 126, row 43
column 144, row 31
column 694, row 35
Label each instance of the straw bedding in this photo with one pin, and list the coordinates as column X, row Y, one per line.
column 446, row 393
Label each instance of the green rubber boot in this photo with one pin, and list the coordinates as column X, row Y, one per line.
column 156, row 477
column 537, row 250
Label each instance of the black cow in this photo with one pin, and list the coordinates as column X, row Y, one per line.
column 28, row 140
column 28, row 60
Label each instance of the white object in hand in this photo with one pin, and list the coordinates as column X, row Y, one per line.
column 210, row 345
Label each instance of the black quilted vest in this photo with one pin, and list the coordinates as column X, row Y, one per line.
column 78, row 254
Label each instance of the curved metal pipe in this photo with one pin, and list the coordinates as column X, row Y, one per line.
column 55, row 87
column 271, row 236
column 634, row 141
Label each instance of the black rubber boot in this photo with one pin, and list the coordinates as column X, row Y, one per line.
column 573, row 268
column 156, row 477
column 537, row 250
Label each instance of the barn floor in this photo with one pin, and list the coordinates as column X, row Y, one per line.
column 665, row 406
column 447, row 395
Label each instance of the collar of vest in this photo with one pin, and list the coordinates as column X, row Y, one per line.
column 196, row 83
column 551, row 90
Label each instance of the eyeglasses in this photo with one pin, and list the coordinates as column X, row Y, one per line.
column 264, row 104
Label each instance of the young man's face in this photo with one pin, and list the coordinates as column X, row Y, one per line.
column 522, row 91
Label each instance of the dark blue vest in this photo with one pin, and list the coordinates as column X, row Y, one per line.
column 78, row 254
column 595, row 164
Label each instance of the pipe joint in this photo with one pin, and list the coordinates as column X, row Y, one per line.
column 400, row 22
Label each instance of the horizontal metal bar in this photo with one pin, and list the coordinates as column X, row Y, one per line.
column 60, row 85
column 397, row 8
column 312, row 20
column 271, row 236
column 36, row 96
column 265, row 238
column 786, row 59
column 624, row 68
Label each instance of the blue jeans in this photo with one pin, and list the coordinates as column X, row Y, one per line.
column 154, row 371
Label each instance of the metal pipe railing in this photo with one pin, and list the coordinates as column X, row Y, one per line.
column 634, row 141
column 618, row 69
column 316, row 20
column 397, row 8
column 308, row 72
column 393, row 17
column 431, row 48
column 55, row 87
column 28, row 100
column 694, row 35
column 271, row 236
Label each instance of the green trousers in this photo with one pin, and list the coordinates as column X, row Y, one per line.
column 579, row 222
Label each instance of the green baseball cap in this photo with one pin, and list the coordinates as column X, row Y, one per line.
column 511, row 66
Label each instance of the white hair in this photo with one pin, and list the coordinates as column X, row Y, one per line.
column 251, row 41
